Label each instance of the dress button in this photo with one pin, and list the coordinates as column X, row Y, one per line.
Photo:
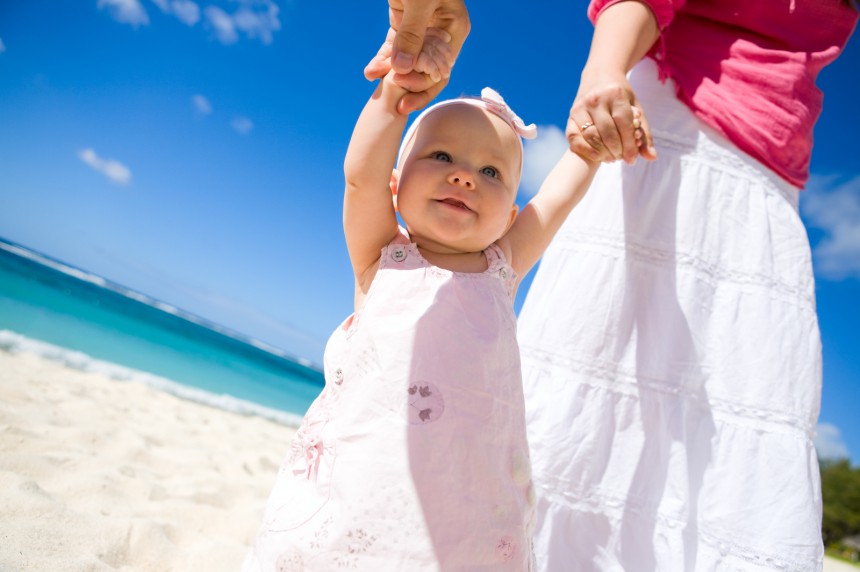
column 503, row 273
column 338, row 376
column 398, row 254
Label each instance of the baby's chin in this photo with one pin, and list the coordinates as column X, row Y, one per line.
column 441, row 245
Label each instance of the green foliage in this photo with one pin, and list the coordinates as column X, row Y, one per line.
column 840, row 490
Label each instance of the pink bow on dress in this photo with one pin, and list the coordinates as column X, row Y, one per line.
column 307, row 449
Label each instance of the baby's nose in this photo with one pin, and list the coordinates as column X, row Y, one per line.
column 462, row 179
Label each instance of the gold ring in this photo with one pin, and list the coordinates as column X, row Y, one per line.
column 586, row 125
column 636, row 123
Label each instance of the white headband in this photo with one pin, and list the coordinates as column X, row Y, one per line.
column 491, row 101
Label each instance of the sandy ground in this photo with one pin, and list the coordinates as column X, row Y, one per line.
column 98, row 474
column 833, row 565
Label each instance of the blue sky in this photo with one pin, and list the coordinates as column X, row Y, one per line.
column 193, row 150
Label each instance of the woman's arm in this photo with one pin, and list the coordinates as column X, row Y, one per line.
column 623, row 34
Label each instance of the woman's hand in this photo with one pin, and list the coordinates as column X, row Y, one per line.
column 605, row 123
column 410, row 21
column 432, row 66
column 602, row 125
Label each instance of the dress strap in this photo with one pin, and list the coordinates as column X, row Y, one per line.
column 399, row 250
column 497, row 263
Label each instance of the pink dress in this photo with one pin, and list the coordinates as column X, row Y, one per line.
column 414, row 457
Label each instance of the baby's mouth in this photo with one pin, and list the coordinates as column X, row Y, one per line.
column 456, row 204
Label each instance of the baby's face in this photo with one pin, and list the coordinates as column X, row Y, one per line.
column 458, row 180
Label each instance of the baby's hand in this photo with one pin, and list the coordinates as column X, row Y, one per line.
column 436, row 58
column 638, row 132
column 433, row 65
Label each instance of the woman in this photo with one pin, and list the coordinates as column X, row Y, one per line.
column 672, row 397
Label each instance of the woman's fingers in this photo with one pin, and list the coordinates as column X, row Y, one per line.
column 607, row 117
column 598, row 135
column 578, row 128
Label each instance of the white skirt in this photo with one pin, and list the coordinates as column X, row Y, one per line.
column 672, row 365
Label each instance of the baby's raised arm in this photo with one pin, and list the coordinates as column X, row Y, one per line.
column 369, row 219
column 562, row 189
column 537, row 223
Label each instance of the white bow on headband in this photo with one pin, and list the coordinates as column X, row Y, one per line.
column 497, row 105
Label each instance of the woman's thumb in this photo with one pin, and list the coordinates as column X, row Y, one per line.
column 410, row 37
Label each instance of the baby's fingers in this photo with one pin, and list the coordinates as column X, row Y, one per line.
column 437, row 56
column 644, row 139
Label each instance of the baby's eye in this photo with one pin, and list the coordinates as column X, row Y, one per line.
column 490, row 172
column 442, row 156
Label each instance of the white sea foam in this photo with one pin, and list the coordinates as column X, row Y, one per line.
column 165, row 307
column 64, row 268
column 14, row 343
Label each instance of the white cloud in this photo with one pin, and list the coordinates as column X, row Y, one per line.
column 833, row 206
column 541, row 155
column 242, row 125
column 828, row 442
column 254, row 18
column 225, row 30
column 201, row 104
column 251, row 19
column 126, row 11
column 186, row 11
column 2, row 46
column 110, row 168
column 258, row 18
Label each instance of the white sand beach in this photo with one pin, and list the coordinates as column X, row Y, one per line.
column 99, row 474
column 833, row 565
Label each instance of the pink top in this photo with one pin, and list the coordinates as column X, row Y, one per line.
column 414, row 457
column 748, row 67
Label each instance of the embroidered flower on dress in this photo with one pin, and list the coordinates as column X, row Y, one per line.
column 506, row 548
column 290, row 563
column 425, row 403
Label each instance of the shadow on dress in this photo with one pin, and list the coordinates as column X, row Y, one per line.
column 669, row 373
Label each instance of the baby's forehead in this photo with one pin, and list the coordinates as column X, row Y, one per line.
column 469, row 122
column 458, row 112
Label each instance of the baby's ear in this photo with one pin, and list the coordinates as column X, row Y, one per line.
column 392, row 184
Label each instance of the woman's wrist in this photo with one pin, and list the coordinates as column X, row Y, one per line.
column 623, row 34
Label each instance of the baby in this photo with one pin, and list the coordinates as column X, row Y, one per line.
column 414, row 457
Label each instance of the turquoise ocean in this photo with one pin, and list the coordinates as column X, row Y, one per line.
column 92, row 324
